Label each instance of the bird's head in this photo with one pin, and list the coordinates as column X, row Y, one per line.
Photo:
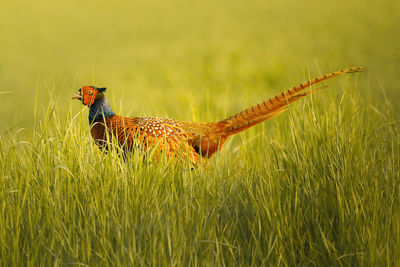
column 89, row 94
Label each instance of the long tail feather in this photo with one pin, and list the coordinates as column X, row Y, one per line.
column 275, row 105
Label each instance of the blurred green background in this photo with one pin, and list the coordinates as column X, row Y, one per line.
column 191, row 60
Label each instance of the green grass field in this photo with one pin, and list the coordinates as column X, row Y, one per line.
column 317, row 186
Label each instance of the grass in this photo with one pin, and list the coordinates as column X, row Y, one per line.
column 318, row 185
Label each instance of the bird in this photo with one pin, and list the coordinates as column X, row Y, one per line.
column 194, row 141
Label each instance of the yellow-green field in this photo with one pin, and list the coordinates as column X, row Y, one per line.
column 317, row 186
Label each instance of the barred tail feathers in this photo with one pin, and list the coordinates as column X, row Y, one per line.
column 275, row 105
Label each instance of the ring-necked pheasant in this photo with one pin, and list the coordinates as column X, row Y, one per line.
column 193, row 140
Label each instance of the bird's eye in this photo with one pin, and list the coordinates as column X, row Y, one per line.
column 90, row 92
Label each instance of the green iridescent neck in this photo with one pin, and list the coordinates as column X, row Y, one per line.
column 100, row 110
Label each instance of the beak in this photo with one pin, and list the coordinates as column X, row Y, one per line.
column 77, row 95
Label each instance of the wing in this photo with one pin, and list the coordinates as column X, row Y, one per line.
column 163, row 136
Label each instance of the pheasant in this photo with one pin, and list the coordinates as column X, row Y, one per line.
column 195, row 141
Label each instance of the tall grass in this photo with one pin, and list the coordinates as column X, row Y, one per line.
column 318, row 185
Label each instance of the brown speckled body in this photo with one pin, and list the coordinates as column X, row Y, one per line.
column 191, row 140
